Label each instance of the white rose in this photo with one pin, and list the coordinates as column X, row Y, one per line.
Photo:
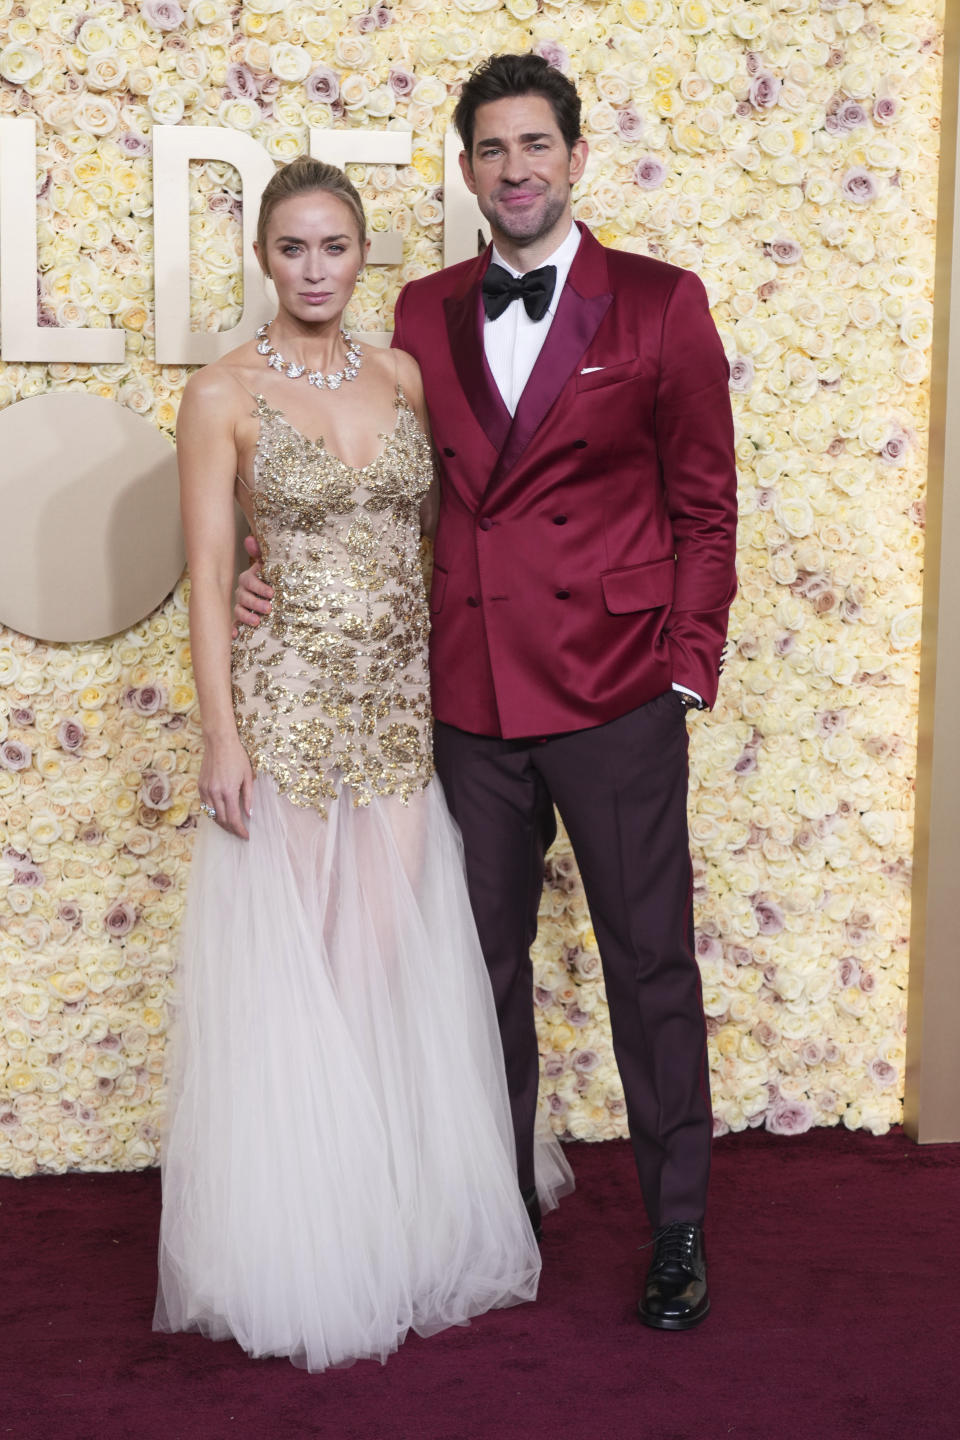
column 290, row 62
column 381, row 102
column 95, row 115
column 95, row 38
column 166, row 106
column 429, row 91
column 20, row 64
column 239, row 114
column 354, row 92
column 282, row 146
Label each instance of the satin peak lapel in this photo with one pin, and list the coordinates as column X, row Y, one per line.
column 465, row 333
column 576, row 322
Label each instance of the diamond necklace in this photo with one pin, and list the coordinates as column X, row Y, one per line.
column 293, row 371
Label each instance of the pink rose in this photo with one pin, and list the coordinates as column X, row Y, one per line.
column 754, row 62
column 585, row 1061
column 849, row 969
column 769, row 916
column 91, row 834
column 554, row 54
column 882, row 1073
column 830, row 721
column 649, row 173
column 789, row 1117
column 785, row 251
column 162, row 14
column 147, row 699
column 629, row 123
column 382, row 15
column 851, row 114
column 401, row 82
column 577, row 1018
column 70, row 735
column 69, row 913
column 160, row 881
column 884, row 110
column 765, row 90
column 742, row 373
column 894, row 449
column 323, row 86
column 766, row 1034
column 708, row 947
column 23, row 716
column 241, row 83
column 542, row 996
column 556, row 1105
column 811, row 1053
column 15, row 756
column 553, row 1066
column 29, row 875
column 155, row 791
column 120, row 919
column 133, row 144
column 859, row 186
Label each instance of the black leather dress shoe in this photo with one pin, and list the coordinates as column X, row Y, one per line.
column 533, row 1210
column 675, row 1297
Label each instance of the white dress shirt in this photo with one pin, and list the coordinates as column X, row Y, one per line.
column 513, row 341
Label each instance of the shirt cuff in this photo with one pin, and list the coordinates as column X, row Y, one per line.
column 685, row 690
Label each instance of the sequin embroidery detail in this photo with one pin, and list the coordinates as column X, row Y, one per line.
column 332, row 688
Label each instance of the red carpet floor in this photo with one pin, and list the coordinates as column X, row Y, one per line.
column 835, row 1269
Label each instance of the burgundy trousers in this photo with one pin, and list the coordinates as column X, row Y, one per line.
column 621, row 789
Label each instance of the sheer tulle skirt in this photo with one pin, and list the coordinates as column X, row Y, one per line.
column 339, row 1164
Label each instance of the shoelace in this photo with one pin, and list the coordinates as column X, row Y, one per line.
column 674, row 1243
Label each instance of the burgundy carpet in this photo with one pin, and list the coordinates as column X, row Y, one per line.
column 835, row 1269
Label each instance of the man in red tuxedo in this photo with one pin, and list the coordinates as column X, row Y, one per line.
column 583, row 572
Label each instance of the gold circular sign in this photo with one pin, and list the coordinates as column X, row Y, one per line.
column 91, row 517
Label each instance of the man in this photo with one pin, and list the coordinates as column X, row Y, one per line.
column 583, row 572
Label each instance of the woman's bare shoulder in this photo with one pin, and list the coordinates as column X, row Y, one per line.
column 229, row 381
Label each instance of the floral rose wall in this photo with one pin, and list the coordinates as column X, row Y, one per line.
column 787, row 152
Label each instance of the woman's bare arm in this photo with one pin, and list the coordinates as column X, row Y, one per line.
column 207, row 458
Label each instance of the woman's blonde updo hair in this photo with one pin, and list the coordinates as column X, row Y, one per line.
column 301, row 177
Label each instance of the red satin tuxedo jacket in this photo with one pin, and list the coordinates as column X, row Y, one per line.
column 584, row 557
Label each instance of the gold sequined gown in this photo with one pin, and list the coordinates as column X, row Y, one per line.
column 338, row 1166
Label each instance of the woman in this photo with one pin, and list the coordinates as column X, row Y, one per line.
column 339, row 1165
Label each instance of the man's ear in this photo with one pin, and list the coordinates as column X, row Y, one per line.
column 466, row 170
column 578, row 159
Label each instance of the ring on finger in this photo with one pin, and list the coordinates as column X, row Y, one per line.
column 208, row 810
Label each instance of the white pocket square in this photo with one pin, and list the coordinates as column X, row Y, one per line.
column 589, row 369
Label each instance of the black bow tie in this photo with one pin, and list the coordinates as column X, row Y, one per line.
column 535, row 289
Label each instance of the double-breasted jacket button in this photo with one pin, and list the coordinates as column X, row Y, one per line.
column 485, row 522
column 472, row 600
column 559, row 519
column 448, row 451
column 579, row 444
column 563, row 594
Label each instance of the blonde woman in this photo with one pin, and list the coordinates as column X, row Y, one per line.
column 339, row 1165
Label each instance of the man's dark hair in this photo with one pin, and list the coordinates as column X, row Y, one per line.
column 503, row 76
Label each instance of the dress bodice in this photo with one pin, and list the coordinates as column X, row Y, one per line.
column 332, row 688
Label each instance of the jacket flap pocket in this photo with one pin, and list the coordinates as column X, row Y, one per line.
column 639, row 587
column 438, row 588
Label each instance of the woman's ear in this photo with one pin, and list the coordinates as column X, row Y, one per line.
column 260, row 262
